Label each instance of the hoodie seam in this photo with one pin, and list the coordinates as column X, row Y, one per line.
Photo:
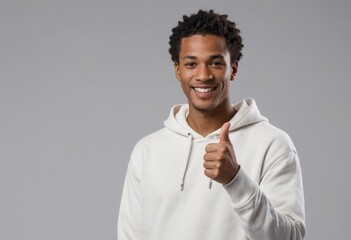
column 276, row 159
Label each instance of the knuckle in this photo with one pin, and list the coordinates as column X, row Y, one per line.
column 208, row 147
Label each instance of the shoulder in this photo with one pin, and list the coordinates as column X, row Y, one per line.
column 154, row 140
column 270, row 139
column 276, row 135
column 280, row 151
column 272, row 134
column 276, row 148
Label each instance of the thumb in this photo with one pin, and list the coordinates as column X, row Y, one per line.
column 224, row 133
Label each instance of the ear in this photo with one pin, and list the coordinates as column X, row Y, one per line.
column 234, row 70
column 176, row 71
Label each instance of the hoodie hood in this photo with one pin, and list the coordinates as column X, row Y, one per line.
column 246, row 113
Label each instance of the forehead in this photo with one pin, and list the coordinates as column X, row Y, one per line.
column 203, row 44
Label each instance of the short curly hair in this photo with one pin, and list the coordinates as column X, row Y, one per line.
column 203, row 23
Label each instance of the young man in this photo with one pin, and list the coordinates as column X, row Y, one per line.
column 216, row 170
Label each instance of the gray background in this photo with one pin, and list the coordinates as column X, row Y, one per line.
column 82, row 81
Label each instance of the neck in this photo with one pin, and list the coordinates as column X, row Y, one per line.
column 206, row 122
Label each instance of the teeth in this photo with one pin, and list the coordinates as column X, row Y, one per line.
column 204, row 90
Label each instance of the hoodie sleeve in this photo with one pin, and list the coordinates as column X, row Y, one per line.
column 274, row 208
column 129, row 220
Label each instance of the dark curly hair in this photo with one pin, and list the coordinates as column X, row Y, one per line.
column 202, row 23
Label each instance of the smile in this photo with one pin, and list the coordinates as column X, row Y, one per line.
column 204, row 90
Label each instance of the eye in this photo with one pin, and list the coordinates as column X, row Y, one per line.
column 217, row 64
column 190, row 65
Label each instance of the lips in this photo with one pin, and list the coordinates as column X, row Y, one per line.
column 204, row 89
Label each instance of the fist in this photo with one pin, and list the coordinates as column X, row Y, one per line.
column 220, row 162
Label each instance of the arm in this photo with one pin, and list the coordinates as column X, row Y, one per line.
column 275, row 208
column 129, row 220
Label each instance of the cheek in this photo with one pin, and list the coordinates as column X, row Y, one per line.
column 225, row 86
column 184, row 86
column 184, row 79
column 186, row 74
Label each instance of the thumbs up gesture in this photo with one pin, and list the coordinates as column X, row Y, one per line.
column 220, row 161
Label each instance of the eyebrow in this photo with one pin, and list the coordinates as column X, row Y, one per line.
column 211, row 57
column 217, row 56
column 189, row 57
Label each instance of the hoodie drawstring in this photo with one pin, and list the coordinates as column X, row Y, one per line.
column 190, row 138
column 210, row 183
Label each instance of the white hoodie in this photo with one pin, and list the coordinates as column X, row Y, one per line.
column 166, row 195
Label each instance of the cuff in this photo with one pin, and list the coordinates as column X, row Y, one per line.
column 241, row 188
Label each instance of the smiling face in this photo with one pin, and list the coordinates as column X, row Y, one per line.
column 204, row 71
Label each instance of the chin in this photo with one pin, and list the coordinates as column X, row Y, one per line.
column 203, row 109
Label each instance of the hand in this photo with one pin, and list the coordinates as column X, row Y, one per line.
column 220, row 161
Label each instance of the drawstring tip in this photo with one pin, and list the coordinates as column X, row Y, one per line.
column 210, row 184
column 181, row 187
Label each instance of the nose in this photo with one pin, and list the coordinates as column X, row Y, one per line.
column 203, row 73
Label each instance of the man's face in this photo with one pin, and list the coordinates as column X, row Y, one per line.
column 204, row 71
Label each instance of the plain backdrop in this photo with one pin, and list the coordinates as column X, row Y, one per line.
column 82, row 81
